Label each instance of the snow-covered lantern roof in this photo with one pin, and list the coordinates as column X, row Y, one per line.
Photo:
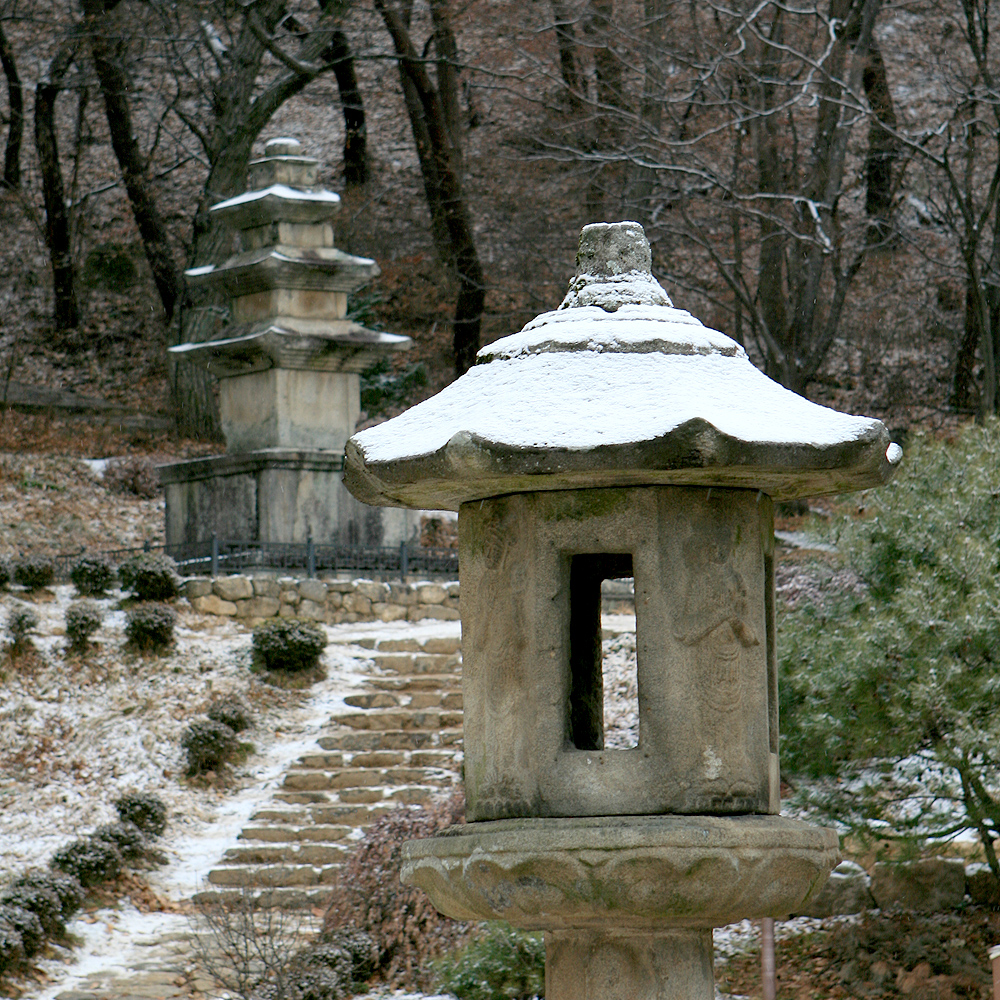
column 616, row 387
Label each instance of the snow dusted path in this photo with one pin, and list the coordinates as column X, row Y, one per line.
column 126, row 954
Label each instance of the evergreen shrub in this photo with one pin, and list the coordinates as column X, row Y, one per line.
column 27, row 925
column 890, row 698
column 11, row 945
column 144, row 810
column 66, row 887
column 21, row 620
column 126, row 837
column 504, row 963
column 150, row 576
column 209, row 745
column 4, row 574
column 232, row 712
column 34, row 572
column 92, row 575
column 150, row 626
column 289, row 644
column 83, row 619
column 91, row 861
column 41, row 901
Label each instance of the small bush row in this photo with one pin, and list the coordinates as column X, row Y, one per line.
column 149, row 576
column 37, row 904
column 149, row 626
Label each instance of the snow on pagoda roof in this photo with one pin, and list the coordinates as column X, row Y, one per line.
column 627, row 391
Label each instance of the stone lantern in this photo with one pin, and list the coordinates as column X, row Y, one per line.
column 288, row 369
column 617, row 436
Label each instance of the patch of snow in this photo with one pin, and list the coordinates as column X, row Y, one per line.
column 632, row 329
column 282, row 191
column 588, row 399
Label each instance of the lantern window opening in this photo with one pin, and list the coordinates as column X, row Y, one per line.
column 588, row 695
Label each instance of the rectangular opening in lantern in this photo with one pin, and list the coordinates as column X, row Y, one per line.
column 593, row 691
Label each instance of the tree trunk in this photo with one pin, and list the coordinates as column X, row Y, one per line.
column 641, row 179
column 566, row 40
column 57, row 228
column 15, row 95
column 882, row 150
column 114, row 88
column 449, row 211
column 355, row 129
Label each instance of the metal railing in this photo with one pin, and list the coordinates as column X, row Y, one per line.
column 216, row 556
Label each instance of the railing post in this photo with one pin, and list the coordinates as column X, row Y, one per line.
column 404, row 560
column 310, row 557
column 147, row 546
column 215, row 554
column 767, row 958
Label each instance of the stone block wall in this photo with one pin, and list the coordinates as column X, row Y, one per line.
column 267, row 595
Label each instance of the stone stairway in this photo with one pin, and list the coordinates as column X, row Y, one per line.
column 400, row 744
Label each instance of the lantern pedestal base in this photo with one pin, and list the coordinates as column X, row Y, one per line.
column 620, row 965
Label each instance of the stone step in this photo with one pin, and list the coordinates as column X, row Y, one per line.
column 301, row 898
column 326, row 814
column 404, row 719
column 274, row 876
column 394, row 739
column 405, row 699
column 298, row 854
column 418, row 663
column 292, row 834
column 359, row 777
column 421, row 682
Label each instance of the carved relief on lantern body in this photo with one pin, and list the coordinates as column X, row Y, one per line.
column 532, row 565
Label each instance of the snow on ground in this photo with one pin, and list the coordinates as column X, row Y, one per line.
column 77, row 732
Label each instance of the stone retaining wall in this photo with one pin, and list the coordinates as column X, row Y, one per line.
column 267, row 595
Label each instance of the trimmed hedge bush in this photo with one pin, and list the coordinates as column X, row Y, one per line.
column 143, row 810
column 21, row 620
column 11, row 945
column 66, row 887
column 92, row 575
column 26, row 924
column 150, row 626
column 230, row 711
column 83, row 619
column 43, row 902
column 150, row 576
column 208, row 745
column 126, row 837
column 34, row 572
column 91, row 861
column 289, row 644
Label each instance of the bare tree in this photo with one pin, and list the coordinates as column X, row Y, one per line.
column 108, row 39
column 57, row 221
column 15, row 128
column 434, row 122
column 738, row 150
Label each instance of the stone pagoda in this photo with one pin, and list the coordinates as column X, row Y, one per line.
column 618, row 437
column 288, row 369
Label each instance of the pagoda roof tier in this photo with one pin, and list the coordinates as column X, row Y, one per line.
column 340, row 346
column 615, row 388
column 319, row 269
column 278, row 203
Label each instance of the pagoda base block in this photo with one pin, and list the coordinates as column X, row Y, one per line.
column 274, row 495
